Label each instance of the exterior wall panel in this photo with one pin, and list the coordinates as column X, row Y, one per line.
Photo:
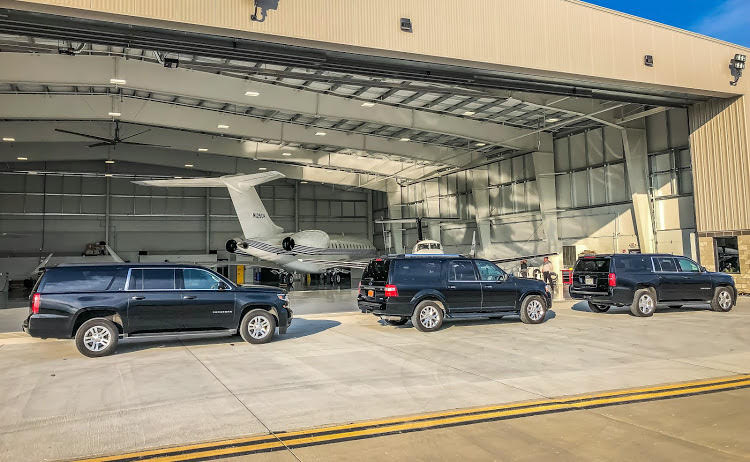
column 721, row 165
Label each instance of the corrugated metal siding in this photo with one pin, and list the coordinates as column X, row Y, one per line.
column 721, row 165
column 561, row 36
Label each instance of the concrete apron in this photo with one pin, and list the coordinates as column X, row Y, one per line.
column 341, row 368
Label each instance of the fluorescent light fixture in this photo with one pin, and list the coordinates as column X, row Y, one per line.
column 252, row 93
column 189, row 165
column 178, row 178
column 405, row 139
column 107, row 174
column 262, row 168
column 9, row 139
column 117, row 81
column 22, row 158
column 303, row 182
column 222, row 126
column 553, row 120
column 286, row 154
column 114, row 114
column 110, row 161
column 202, row 149
column 469, row 113
column 32, row 173
column 320, row 133
column 368, row 104
column 481, row 145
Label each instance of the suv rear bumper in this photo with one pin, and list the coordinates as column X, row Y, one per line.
column 613, row 296
column 48, row 326
column 371, row 307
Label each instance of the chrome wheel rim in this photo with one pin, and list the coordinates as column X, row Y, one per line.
column 725, row 300
column 646, row 304
column 429, row 317
column 535, row 310
column 97, row 338
column 258, row 327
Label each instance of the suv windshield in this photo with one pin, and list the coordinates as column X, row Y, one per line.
column 377, row 270
column 592, row 265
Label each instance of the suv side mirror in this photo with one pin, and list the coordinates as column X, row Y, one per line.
column 223, row 286
column 703, row 269
column 502, row 278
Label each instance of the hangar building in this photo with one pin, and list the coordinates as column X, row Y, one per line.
column 536, row 125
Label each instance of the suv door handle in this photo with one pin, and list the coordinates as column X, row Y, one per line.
column 189, row 297
column 488, row 287
column 138, row 297
column 451, row 287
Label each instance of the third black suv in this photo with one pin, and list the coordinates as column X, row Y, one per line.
column 430, row 288
column 644, row 280
column 97, row 304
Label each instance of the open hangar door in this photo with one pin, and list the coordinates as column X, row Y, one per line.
column 525, row 164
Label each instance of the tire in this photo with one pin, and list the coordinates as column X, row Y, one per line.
column 397, row 322
column 644, row 303
column 598, row 308
column 257, row 326
column 428, row 316
column 337, row 278
column 533, row 309
column 723, row 300
column 97, row 337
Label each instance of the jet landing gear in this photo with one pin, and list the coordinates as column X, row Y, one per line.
column 333, row 277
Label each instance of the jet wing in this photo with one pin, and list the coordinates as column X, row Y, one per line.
column 300, row 249
column 359, row 264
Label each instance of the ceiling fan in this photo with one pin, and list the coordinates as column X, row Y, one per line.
column 112, row 141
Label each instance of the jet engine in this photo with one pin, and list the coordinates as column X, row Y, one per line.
column 234, row 244
column 313, row 238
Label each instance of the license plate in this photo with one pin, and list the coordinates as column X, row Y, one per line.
column 370, row 293
column 589, row 281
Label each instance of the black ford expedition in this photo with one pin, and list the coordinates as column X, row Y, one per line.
column 98, row 304
column 430, row 288
column 643, row 281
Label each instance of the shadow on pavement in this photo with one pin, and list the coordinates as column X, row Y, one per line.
column 488, row 321
column 583, row 307
column 300, row 328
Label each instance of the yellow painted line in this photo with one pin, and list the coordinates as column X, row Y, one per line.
column 436, row 419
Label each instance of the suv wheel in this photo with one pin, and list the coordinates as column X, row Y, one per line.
column 723, row 300
column 397, row 322
column 257, row 326
column 97, row 337
column 428, row 316
column 533, row 310
column 644, row 303
column 598, row 308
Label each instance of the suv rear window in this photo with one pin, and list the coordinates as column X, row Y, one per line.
column 592, row 265
column 67, row 280
column 417, row 271
column 634, row 263
column 377, row 270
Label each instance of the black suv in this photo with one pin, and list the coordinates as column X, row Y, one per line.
column 428, row 289
column 98, row 304
column 644, row 280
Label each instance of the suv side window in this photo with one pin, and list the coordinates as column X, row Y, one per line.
column 665, row 265
column 198, row 279
column 417, row 271
column 462, row 270
column 152, row 279
column 489, row 271
column 688, row 266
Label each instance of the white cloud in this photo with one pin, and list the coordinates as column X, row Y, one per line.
column 729, row 20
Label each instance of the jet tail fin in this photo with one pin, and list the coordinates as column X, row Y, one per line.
column 254, row 219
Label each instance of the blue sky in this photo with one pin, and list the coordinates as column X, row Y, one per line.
column 724, row 19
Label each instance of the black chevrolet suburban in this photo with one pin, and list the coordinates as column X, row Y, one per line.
column 428, row 289
column 643, row 281
column 98, row 304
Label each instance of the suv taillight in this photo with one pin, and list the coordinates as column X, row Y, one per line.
column 36, row 300
column 391, row 291
column 612, row 280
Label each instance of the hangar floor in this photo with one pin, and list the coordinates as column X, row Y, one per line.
column 346, row 367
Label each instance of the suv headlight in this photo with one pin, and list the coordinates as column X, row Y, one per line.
column 283, row 297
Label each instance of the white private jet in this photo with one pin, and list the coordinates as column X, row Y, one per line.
column 311, row 251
